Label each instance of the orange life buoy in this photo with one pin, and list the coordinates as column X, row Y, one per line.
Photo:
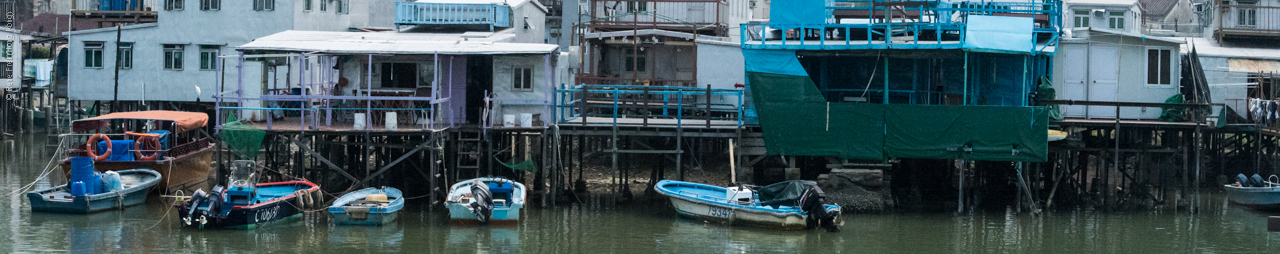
column 92, row 145
column 154, row 144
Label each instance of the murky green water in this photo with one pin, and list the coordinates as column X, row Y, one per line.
column 635, row 228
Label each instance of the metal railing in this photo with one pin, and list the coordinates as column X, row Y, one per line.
column 1250, row 19
column 638, row 81
column 678, row 14
column 412, row 13
column 687, row 106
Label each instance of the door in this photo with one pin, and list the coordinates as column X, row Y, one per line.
column 1102, row 79
column 1075, row 70
column 479, row 82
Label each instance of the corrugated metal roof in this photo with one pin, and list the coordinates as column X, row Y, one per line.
column 395, row 43
column 1206, row 47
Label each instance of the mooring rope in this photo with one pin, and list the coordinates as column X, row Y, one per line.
column 166, row 212
column 48, row 168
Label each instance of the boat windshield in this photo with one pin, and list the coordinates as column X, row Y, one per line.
column 242, row 174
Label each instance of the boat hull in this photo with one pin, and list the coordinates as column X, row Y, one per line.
column 372, row 215
column 1256, row 197
column 54, row 199
column 460, row 213
column 508, row 212
column 186, row 172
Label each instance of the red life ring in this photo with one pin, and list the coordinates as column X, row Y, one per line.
column 92, row 145
column 154, row 144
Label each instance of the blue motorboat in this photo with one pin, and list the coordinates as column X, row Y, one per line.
column 128, row 189
column 485, row 201
column 245, row 204
column 369, row 206
column 1254, row 192
column 785, row 205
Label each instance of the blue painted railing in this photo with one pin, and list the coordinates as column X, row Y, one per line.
column 412, row 13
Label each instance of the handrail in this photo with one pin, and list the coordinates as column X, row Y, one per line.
column 413, row 13
column 574, row 103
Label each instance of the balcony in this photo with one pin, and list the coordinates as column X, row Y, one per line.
column 415, row 13
column 680, row 15
column 108, row 13
column 881, row 24
column 1249, row 20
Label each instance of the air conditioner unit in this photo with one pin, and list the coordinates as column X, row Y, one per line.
column 1100, row 13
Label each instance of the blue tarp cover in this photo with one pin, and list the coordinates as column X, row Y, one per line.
column 797, row 12
column 773, row 61
column 997, row 34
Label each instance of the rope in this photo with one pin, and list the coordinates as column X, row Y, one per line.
column 166, row 212
column 48, row 168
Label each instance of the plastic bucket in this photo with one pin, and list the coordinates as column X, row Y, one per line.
column 82, row 171
column 77, row 189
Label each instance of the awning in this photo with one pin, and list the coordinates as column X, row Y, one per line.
column 996, row 34
column 1253, row 66
column 183, row 121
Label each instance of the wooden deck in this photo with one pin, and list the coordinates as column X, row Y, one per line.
column 1123, row 123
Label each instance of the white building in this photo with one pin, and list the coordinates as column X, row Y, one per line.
column 174, row 59
column 11, row 57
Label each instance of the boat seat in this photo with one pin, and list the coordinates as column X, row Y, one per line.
column 499, row 203
column 368, row 203
column 503, row 187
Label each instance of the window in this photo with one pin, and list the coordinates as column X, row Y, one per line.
column 93, row 54
column 265, row 5
column 342, row 7
column 124, row 52
column 1246, row 14
column 399, row 75
column 208, row 57
column 1116, row 20
column 636, row 62
column 323, row 6
column 173, row 56
column 523, row 79
column 1158, row 66
column 637, row 6
column 6, row 70
column 1082, row 19
column 306, row 5
column 210, row 5
column 6, row 49
column 173, row 5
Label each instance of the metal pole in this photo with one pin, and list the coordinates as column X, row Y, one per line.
column 115, row 98
column 965, row 93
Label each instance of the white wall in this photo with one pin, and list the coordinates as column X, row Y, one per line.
column 537, row 20
column 503, row 68
column 721, row 66
column 15, row 59
column 1132, row 18
column 1132, row 78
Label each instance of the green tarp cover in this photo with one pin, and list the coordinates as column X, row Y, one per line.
column 527, row 165
column 244, row 140
column 797, row 120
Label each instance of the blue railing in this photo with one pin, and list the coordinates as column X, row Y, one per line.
column 670, row 106
column 912, row 25
column 412, row 13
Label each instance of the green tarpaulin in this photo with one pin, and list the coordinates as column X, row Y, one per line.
column 796, row 120
column 243, row 140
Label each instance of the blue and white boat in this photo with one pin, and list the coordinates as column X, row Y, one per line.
column 131, row 189
column 485, row 200
column 786, row 205
column 369, row 206
column 1254, row 192
column 246, row 204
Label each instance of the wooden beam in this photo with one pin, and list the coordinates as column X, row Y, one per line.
column 323, row 160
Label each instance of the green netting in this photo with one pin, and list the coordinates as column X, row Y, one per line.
column 527, row 165
column 797, row 121
column 1172, row 114
column 244, row 140
column 1046, row 92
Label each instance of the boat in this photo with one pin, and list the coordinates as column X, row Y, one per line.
column 245, row 204
column 369, row 206
column 134, row 184
column 1254, row 192
column 485, row 200
column 169, row 142
column 785, row 205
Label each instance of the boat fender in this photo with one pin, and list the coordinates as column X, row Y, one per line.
column 317, row 197
column 1243, row 180
column 300, row 199
column 1258, row 182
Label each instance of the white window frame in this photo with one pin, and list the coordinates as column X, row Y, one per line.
column 209, row 57
column 324, row 7
column 264, row 5
column 343, row 6
column 306, row 5
column 6, row 49
column 124, row 52
column 210, row 5
column 1082, row 19
column 173, row 56
column 1115, row 21
column 173, row 5
column 1246, row 17
column 93, row 49
column 520, row 78
column 1173, row 64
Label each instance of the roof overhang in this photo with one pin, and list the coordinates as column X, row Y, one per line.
column 392, row 43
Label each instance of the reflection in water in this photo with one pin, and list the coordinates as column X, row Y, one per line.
column 639, row 227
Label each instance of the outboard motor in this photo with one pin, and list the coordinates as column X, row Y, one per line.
column 213, row 206
column 483, row 204
column 193, row 206
column 818, row 215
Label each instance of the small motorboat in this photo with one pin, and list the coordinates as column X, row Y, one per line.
column 245, row 204
column 485, row 200
column 369, row 206
column 785, row 205
column 121, row 189
column 1254, row 192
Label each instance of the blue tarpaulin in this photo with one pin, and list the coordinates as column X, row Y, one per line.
column 787, row 13
column 997, row 34
column 773, row 61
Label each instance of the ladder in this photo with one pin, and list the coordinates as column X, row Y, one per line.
column 468, row 155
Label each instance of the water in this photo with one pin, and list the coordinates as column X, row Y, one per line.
column 636, row 228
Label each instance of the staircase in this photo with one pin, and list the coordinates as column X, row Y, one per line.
column 467, row 159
